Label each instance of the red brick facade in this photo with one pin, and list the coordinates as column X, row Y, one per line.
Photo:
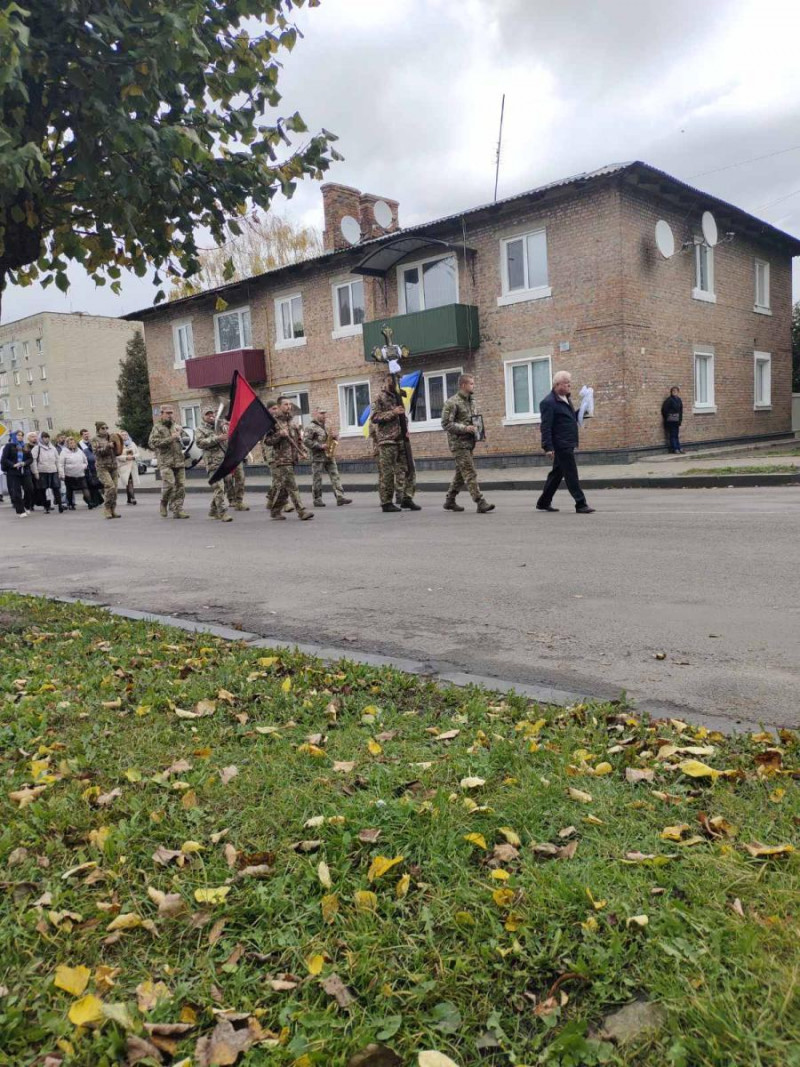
column 619, row 316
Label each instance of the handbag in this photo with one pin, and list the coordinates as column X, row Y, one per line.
column 673, row 416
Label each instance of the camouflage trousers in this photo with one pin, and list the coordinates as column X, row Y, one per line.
column 465, row 476
column 325, row 465
column 218, row 506
column 284, row 485
column 173, row 488
column 393, row 471
column 234, row 486
column 108, row 480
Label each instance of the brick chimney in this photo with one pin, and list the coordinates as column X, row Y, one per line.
column 341, row 200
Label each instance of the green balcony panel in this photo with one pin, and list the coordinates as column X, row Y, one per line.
column 451, row 328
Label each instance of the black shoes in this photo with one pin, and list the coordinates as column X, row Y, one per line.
column 389, row 507
column 584, row 509
column 450, row 505
column 548, row 508
column 408, row 504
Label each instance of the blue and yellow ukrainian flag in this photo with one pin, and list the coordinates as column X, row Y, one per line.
column 409, row 387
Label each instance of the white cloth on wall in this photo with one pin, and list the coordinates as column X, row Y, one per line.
column 586, row 410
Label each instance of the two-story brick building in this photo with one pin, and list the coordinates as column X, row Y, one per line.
column 565, row 276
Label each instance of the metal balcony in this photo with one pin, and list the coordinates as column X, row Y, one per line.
column 210, row 372
column 452, row 328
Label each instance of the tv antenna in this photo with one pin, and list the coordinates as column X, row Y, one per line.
column 499, row 146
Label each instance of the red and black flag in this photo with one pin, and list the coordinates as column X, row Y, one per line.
column 248, row 422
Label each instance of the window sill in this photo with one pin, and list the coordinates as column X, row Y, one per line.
column 762, row 407
column 708, row 409
column 180, row 366
column 346, row 331
column 524, row 295
column 425, row 427
column 359, row 432
column 295, row 342
column 762, row 311
column 522, row 420
column 701, row 294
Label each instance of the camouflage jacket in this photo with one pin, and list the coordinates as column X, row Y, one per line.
column 457, row 416
column 316, row 437
column 213, row 444
column 386, row 423
column 285, row 449
column 105, row 456
column 169, row 452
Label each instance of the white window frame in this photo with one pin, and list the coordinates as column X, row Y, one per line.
column 761, row 308
column 765, row 404
column 45, row 399
column 16, row 377
column 519, row 296
column 42, row 373
column 29, row 374
column 196, row 418
column 515, row 359
column 20, row 403
column 177, row 327
column 3, row 379
column 344, row 429
column 419, row 263
column 431, row 424
column 38, row 346
column 280, row 340
column 709, row 407
column 240, row 311
column 2, row 354
column 357, row 328
column 13, row 350
column 49, row 422
column 708, row 295
column 32, row 401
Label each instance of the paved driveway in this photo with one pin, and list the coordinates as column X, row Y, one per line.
column 709, row 577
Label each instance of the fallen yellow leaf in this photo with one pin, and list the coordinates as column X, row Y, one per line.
column 330, row 906
column 603, row 768
column 324, row 875
column 674, row 833
column 129, row 921
column 315, row 964
column 637, row 920
column 500, row 875
column 503, row 898
column 87, row 1011
column 286, row 685
column 373, row 747
column 580, row 795
column 511, row 836
column 72, row 980
column 212, row 896
column 695, row 769
column 401, row 889
column 756, row 848
column 476, row 839
column 380, row 865
column 365, row 900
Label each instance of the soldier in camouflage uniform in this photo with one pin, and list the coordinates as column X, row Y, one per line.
column 316, row 438
column 287, row 448
column 458, row 421
column 214, row 444
column 165, row 441
column 385, row 416
column 234, row 488
column 274, row 408
column 106, row 460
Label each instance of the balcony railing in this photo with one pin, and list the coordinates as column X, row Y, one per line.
column 208, row 372
column 451, row 328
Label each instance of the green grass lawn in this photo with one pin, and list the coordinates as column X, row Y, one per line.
column 210, row 854
column 766, row 468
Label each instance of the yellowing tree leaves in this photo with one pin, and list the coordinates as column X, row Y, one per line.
column 315, row 964
column 380, row 865
column 72, row 980
column 373, row 747
column 695, row 769
column 365, row 900
column 674, row 833
column 330, row 906
column 212, row 896
column 86, row 1012
column 603, row 768
column 149, row 994
column 637, row 920
column 267, row 661
column 580, row 795
column 478, row 840
column 286, row 685
column 510, row 835
column 755, row 848
column 503, row 898
column 401, row 889
column 129, row 921
column 308, row 749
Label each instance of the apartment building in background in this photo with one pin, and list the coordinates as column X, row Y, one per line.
column 566, row 276
column 60, row 370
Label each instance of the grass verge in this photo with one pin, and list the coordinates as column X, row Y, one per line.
column 211, row 854
column 766, row 468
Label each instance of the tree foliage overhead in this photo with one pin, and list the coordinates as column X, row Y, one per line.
column 129, row 124
column 134, row 406
column 264, row 243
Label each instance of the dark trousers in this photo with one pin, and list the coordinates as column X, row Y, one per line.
column 20, row 489
column 53, row 483
column 95, row 488
column 564, row 467
column 73, row 484
column 673, row 433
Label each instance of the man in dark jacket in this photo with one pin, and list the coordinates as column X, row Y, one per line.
column 559, row 440
column 672, row 414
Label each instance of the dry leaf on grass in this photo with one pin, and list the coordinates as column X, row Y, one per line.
column 324, row 875
column 380, row 865
column 88, row 1011
column 435, row 1059
column 212, row 896
column 150, row 994
column 579, row 795
column 759, row 850
column 225, row 1044
column 478, row 840
column 335, row 987
column 472, row 783
column 228, row 773
column 368, row 837
column 139, row 1050
column 170, row 905
column 375, row 1056
column 365, row 900
column 72, row 980
column 636, row 774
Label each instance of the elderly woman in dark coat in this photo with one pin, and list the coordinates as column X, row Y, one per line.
column 672, row 414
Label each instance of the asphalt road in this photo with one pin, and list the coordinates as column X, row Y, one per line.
column 708, row 577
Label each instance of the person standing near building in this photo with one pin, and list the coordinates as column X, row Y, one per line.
column 387, row 416
column 45, row 472
column 72, row 467
column 105, row 455
column 92, row 481
column 287, row 448
column 165, row 441
column 128, row 467
column 16, row 461
column 672, row 415
column 213, row 443
column 459, row 419
column 559, row 440
column 319, row 441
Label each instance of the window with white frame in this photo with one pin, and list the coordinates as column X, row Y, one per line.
column 2, row 353
column 762, row 391
column 5, row 404
column 49, row 423
column 434, row 389
column 182, row 342
column 353, row 399
column 14, row 352
column 43, row 373
column 36, row 424
column 348, row 307
column 704, row 380
column 46, row 399
column 20, row 404
column 703, row 272
column 301, row 400
column 289, row 327
column 528, row 381
column 16, row 377
column 429, row 283
column 190, row 416
column 3, row 380
column 26, row 349
column 523, row 267
column 761, row 286
column 32, row 400
column 232, row 329
column 29, row 374
column 38, row 346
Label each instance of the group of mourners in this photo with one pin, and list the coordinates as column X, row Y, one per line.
column 39, row 472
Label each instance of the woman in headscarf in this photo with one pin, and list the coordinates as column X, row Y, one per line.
column 16, row 460
column 128, row 464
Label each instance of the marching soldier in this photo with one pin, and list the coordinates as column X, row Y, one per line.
column 458, row 420
column 386, row 416
column 287, row 448
column 214, row 443
column 165, row 441
column 234, row 487
column 106, row 461
column 320, row 441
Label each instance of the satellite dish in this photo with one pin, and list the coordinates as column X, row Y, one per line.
column 382, row 213
column 708, row 224
column 665, row 241
column 351, row 230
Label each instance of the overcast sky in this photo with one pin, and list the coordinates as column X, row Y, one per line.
column 413, row 89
